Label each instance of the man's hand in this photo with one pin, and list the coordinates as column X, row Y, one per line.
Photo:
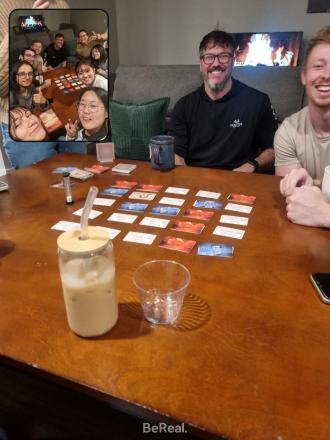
column 41, row 4
column 71, row 128
column 245, row 168
column 308, row 206
column 296, row 177
column 39, row 98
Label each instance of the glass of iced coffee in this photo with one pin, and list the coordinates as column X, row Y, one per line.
column 87, row 270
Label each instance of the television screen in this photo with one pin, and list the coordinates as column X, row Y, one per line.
column 267, row 49
column 31, row 23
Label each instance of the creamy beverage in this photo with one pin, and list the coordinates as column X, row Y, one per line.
column 88, row 280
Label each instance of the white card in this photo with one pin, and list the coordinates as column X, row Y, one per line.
column 177, row 190
column 171, row 201
column 112, row 232
column 65, row 226
column 243, row 221
column 123, row 218
column 155, row 222
column 208, row 194
column 138, row 195
column 93, row 214
column 239, row 208
column 104, row 202
column 229, row 232
column 139, row 237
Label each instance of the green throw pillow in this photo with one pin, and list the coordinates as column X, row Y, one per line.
column 132, row 126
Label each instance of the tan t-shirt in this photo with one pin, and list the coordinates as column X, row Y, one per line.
column 296, row 142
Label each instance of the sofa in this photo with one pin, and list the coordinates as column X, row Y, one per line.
column 145, row 83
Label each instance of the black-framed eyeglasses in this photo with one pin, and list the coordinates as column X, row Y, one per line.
column 223, row 58
column 25, row 74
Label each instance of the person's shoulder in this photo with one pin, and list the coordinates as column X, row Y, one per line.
column 297, row 118
column 243, row 88
column 190, row 97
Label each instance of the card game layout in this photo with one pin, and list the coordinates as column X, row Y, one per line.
column 177, row 244
column 68, row 83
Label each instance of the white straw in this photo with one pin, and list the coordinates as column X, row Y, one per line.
column 92, row 193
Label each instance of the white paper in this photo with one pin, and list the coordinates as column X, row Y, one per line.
column 208, row 194
column 139, row 237
column 177, row 190
column 155, row 222
column 140, row 195
column 171, row 201
column 112, row 232
column 65, row 226
column 235, row 220
column 123, row 218
column 104, row 202
column 93, row 214
column 239, row 208
column 229, row 232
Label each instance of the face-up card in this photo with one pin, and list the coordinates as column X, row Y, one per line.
column 93, row 214
column 139, row 237
column 104, row 202
column 65, row 226
column 215, row 249
column 177, row 244
column 235, row 220
column 123, row 218
column 241, row 198
column 154, row 222
column 239, row 208
column 97, row 169
column 165, row 210
column 193, row 228
column 137, row 207
column 177, row 190
column 112, row 232
column 229, row 232
column 117, row 192
column 152, row 188
column 123, row 168
column 139, row 195
column 123, row 184
column 208, row 194
column 81, row 174
column 210, row 204
column 198, row 214
column 61, row 170
column 171, row 201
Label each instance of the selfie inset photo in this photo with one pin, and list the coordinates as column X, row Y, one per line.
column 59, row 73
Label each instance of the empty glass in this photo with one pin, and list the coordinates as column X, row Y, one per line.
column 161, row 285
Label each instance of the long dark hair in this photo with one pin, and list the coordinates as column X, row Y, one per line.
column 84, row 62
column 103, row 55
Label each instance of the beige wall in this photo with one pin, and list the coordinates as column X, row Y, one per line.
column 169, row 31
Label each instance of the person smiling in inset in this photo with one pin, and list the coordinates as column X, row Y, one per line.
column 86, row 73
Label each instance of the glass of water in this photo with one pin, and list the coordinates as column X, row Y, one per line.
column 161, row 285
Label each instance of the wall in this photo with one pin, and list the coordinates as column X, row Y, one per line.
column 169, row 31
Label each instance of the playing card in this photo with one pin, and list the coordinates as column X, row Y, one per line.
column 177, row 244
column 139, row 237
column 104, row 202
column 239, row 208
column 241, row 198
column 171, row 201
column 198, row 214
column 208, row 194
column 183, row 226
column 123, row 218
column 97, row 169
column 229, row 232
column 165, row 210
column 61, row 170
column 116, row 192
column 154, row 222
column 210, row 204
column 177, row 190
column 235, row 220
column 123, row 184
column 139, row 195
column 138, row 207
column 148, row 187
column 81, row 174
column 215, row 249
column 93, row 213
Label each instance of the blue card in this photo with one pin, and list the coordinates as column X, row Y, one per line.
column 61, row 170
column 210, row 204
column 117, row 192
column 215, row 249
column 165, row 210
column 136, row 207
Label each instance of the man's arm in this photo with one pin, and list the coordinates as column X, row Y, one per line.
column 296, row 177
column 179, row 130
column 307, row 206
column 179, row 160
column 265, row 160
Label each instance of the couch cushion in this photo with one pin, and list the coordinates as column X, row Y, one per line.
column 145, row 83
column 132, row 126
column 42, row 36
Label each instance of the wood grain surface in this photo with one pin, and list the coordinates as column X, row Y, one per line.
column 249, row 357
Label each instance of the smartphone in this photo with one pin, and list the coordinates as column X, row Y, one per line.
column 321, row 282
column 3, row 186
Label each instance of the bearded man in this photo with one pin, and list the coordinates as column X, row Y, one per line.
column 224, row 123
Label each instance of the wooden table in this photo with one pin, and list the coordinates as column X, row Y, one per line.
column 249, row 358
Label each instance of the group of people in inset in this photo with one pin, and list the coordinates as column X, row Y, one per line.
column 26, row 89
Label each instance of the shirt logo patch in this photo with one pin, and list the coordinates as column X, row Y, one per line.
column 237, row 123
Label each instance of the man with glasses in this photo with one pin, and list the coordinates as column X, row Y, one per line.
column 223, row 124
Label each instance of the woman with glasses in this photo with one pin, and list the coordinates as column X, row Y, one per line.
column 23, row 92
column 86, row 72
column 93, row 117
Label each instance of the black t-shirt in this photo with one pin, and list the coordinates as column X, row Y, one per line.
column 54, row 57
column 224, row 133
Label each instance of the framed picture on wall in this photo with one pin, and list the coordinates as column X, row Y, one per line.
column 318, row 6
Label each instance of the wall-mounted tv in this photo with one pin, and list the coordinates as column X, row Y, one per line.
column 31, row 23
column 267, row 48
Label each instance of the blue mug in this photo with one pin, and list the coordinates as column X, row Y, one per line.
column 162, row 152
